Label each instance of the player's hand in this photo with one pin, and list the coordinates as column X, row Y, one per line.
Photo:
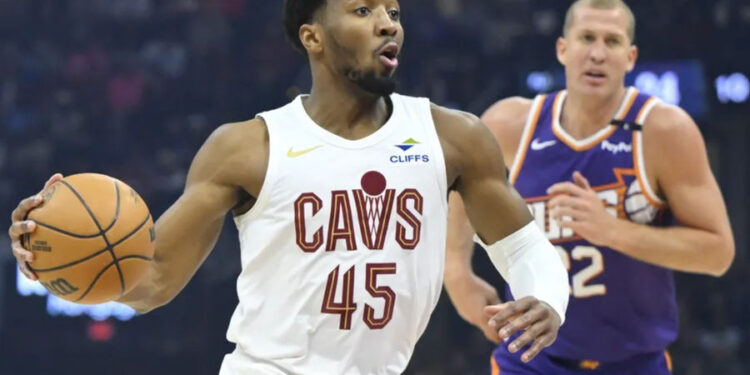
column 576, row 205
column 470, row 295
column 20, row 226
column 538, row 320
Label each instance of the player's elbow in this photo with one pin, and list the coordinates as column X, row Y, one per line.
column 723, row 257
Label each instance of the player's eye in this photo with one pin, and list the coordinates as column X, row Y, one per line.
column 395, row 14
column 362, row 11
column 588, row 38
column 613, row 42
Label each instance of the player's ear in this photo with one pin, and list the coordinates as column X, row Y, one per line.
column 632, row 57
column 561, row 46
column 311, row 36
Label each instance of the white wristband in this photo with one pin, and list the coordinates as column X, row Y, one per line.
column 531, row 266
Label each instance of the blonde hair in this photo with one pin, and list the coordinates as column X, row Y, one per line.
column 601, row 4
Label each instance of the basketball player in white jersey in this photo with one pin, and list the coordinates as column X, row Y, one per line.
column 340, row 199
column 605, row 170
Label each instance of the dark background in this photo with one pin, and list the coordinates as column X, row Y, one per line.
column 131, row 88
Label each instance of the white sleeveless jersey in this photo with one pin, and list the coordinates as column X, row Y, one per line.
column 343, row 252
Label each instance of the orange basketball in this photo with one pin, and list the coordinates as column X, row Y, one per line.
column 94, row 238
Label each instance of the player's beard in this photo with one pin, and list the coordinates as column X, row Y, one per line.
column 371, row 82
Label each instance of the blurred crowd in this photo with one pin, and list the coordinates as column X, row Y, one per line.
column 131, row 88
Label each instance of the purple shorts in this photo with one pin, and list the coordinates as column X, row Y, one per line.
column 507, row 363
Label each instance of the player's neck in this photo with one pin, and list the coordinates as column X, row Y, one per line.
column 583, row 115
column 346, row 111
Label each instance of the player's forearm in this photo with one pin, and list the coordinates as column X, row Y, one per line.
column 182, row 244
column 678, row 248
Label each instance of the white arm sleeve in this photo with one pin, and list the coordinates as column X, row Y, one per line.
column 531, row 266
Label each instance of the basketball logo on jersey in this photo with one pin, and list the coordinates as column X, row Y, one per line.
column 374, row 205
column 622, row 198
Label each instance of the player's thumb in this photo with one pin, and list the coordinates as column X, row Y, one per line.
column 580, row 180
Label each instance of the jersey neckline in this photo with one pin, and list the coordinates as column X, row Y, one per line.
column 584, row 144
column 331, row 138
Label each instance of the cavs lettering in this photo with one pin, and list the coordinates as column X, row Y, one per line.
column 373, row 205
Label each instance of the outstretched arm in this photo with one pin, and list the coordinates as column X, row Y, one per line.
column 187, row 232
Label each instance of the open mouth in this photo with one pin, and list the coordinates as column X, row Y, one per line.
column 595, row 74
column 389, row 55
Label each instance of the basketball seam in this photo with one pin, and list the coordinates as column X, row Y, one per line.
column 127, row 236
column 104, row 235
column 117, row 208
column 56, row 229
column 114, row 262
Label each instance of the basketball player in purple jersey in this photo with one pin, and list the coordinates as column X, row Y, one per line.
column 340, row 202
column 604, row 170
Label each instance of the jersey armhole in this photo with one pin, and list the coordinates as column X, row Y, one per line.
column 528, row 131
column 268, row 180
column 638, row 159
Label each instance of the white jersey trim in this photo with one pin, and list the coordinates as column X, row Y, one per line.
column 528, row 131
column 639, row 160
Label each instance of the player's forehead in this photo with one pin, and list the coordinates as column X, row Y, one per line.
column 611, row 21
column 357, row 3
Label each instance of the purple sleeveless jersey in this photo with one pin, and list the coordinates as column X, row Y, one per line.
column 619, row 307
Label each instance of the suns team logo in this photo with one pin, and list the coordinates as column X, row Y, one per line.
column 622, row 198
column 373, row 205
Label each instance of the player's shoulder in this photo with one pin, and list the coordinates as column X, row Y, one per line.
column 508, row 114
column 240, row 135
column 453, row 124
column 666, row 121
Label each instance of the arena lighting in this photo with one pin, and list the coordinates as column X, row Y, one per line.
column 539, row 82
column 666, row 85
column 59, row 307
column 734, row 88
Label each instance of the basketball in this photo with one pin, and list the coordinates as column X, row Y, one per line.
column 94, row 238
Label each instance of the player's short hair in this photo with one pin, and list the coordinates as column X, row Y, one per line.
column 296, row 14
column 601, row 4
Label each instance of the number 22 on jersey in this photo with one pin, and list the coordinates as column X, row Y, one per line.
column 580, row 286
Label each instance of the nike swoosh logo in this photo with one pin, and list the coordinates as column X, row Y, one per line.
column 536, row 145
column 294, row 154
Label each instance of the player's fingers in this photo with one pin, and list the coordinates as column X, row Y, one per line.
column 565, row 188
column 580, row 180
column 530, row 318
column 541, row 342
column 503, row 312
column 21, row 253
column 23, row 257
column 528, row 336
column 561, row 214
column 25, row 206
column 55, row 177
column 19, row 228
column 565, row 201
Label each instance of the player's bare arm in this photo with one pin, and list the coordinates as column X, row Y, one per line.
column 678, row 169
column 232, row 161
column 476, row 170
column 469, row 293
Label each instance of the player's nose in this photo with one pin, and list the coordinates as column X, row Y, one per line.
column 598, row 52
column 384, row 24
